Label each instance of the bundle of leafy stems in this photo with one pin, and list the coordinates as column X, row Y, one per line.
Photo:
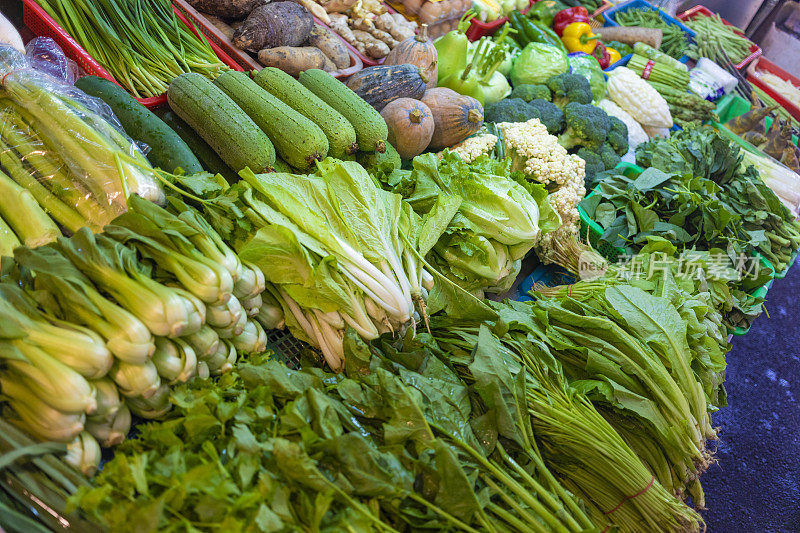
column 140, row 42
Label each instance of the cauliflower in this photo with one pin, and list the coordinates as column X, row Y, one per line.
column 539, row 156
column 638, row 98
column 472, row 148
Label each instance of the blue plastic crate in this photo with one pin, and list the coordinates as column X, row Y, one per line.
column 610, row 15
column 550, row 275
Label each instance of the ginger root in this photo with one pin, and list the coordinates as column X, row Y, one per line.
column 340, row 26
column 369, row 45
column 397, row 25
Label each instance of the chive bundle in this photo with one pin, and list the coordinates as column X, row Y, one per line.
column 139, row 42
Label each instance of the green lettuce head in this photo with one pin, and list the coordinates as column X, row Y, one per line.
column 537, row 62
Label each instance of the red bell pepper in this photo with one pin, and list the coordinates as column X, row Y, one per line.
column 601, row 54
column 565, row 17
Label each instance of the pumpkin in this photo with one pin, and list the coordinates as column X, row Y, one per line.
column 419, row 51
column 455, row 116
column 381, row 84
column 410, row 126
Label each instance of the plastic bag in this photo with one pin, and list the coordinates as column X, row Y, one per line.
column 46, row 56
column 66, row 147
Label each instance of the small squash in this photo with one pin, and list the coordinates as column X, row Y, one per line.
column 419, row 51
column 455, row 116
column 381, row 84
column 410, row 126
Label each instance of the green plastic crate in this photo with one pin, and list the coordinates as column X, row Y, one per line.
column 731, row 106
column 760, row 292
column 592, row 231
column 285, row 347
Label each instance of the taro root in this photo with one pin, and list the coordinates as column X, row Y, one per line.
column 273, row 25
column 227, row 9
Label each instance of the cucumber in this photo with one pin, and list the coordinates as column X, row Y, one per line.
column 300, row 142
column 371, row 129
column 340, row 133
column 221, row 123
column 167, row 150
column 208, row 157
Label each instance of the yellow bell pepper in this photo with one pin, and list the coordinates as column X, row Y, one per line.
column 578, row 37
column 614, row 55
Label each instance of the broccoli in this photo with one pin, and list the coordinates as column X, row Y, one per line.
column 529, row 91
column 587, row 126
column 550, row 115
column 618, row 135
column 594, row 165
column 608, row 156
column 597, row 162
column 508, row 110
column 568, row 88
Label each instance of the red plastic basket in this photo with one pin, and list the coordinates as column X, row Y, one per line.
column 702, row 11
column 244, row 58
column 765, row 65
column 43, row 25
column 478, row 29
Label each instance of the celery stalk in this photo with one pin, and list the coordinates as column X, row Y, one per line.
column 28, row 220
column 61, row 212
column 8, row 240
column 50, row 170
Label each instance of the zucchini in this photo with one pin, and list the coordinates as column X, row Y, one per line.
column 371, row 129
column 221, row 123
column 340, row 133
column 208, row 157
column 167, row 150
column 300, row 142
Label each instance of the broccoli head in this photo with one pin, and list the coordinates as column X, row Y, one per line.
column 587, row 126
column 550, row 115
column 594, row 165
column 608, row 156
column 568, row 88
column 508, row 110
column 618, row 135
column 597, row 162
column 530, row 91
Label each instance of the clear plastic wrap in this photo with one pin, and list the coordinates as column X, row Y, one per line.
column 65, row 148
column 46, row 56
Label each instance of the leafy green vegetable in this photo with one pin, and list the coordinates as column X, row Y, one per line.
column 766, row 225
column 488, row 219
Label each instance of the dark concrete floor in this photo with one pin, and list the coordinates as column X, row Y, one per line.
column 755, row 485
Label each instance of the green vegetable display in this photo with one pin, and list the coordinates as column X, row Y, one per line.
column 717, row 41
column 767, row 226
column 674, row 42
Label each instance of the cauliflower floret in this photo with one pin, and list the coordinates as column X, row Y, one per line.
column 543, row 160
column 472, row 148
